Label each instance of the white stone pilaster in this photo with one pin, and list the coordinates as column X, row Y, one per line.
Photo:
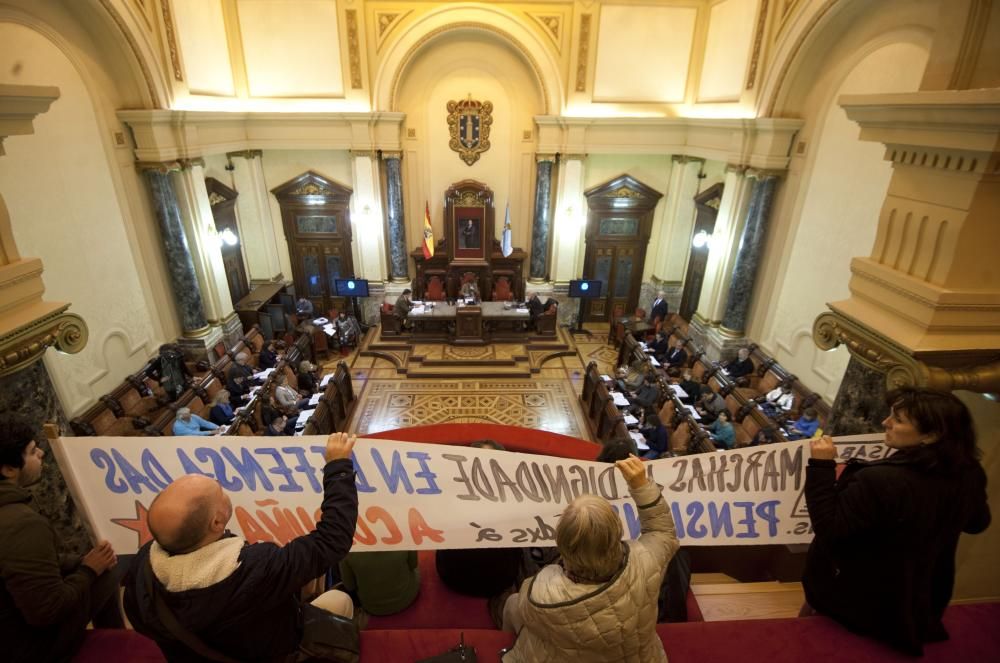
column 673, row 236
column 569, row 223
column 253, row 212
column 367, row 219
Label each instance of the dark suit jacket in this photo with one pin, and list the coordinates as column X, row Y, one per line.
column 658, row 310
column 677, row 357
column 535, row 307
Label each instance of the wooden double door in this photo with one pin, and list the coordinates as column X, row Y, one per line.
column 316, row 218
column 619, row 223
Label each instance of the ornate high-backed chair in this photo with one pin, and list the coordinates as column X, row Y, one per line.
column 502, row 290
column 434, row 290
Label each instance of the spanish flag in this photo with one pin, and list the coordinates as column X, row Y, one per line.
column 428, row 233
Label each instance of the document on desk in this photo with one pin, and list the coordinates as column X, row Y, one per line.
column 419, row 309
column 654, row 362
column 606, row 378
column 677, row 389
column 320, row 321
column 619, row 398
column 304, row 417
column 263, row 375
column 315, row 399
column 694, row 412
column 631, row 420
column 521, row 310
column 326, row 380
column 640, row 441
column 330, row 330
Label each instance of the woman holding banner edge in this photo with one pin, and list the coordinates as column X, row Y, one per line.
column 882, row 561
column 571, row 610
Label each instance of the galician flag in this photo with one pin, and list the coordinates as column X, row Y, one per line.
column 428, row 233
column 506, row 247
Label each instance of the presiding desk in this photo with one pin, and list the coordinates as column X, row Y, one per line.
column 470, row 324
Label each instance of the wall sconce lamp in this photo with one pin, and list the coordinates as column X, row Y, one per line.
column 229, row 237
column 701, row 239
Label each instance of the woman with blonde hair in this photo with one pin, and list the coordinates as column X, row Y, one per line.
column 599, row 603
column 221, row 413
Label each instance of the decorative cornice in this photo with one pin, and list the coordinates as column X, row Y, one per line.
column 544, row 157
column 147, row 75
column 168, row 25
column 246, row 154
column 583, row 53
column 353, row 48
column 188, row 164
column 392, row 154
column 67, row 332
column 763, row 174
column 159, row 166
column 683, row 158
column 978, row 371
column 758, row 41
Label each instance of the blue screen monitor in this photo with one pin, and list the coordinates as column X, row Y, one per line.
column 584, row 289
column 351, row 287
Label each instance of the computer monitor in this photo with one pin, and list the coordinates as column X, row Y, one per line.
column 584, row 289
column 351, row 287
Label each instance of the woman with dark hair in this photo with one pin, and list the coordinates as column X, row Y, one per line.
column 656, row 437
column 883, row 558
column 616, row 449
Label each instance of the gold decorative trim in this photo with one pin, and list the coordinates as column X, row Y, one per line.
column 624, row 192
column 147, row 75
column 979, row 372
column 479, row 116
column 310, row 189
column 729, row 333
column 792, row 56
column 385, row 23
column 353, row 48
column 583, row 53
column 246, row 154
column 544, row 157
column 201, row 332
column 470, row 25
column 168, row 25
column 215, row 198
column 392, row 154
column 684, row 158
column 758, row 41
column 551, row 24
column 188, row 164
column 67, row 332
column 159, row 166
column 469, row 199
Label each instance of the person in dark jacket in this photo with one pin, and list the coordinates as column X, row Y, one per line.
column 171, row 371
column 677, row 357
column 740, row 368
column 882, row 562
column 308, row 382
column 46, row 598
column 222, row 412
column 268, row 357
column 656, row 437
column 240, row 599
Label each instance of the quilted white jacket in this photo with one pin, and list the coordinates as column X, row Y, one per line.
column 616, row 621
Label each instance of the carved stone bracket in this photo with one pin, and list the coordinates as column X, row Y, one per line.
column 974, row 371
column 66, row 332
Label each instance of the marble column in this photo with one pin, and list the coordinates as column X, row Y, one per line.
column 751, row 247
column 399, row 260
column 542, row 222
column 860, row 404
column 183, row 280
column 261, row 240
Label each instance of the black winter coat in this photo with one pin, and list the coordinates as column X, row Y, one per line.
column 882, row 562
column 254, row 613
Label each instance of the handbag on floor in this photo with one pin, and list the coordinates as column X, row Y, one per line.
column 329, row 637
column 458, row 654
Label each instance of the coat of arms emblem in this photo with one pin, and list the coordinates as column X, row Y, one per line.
column 469, row 125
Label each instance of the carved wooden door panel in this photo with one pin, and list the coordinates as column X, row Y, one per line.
column 619, row 269
column 223, row 200
column 707, row 206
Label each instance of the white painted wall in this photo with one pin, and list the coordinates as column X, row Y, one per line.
column 730, row 33
column 59, row 187
column 204, row 50
column 837, row 220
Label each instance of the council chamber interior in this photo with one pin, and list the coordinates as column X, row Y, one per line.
column 814, row 181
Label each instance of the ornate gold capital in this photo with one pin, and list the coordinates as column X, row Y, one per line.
column 977, row 371
column 391, row 154
column 246, row 154
column 544, row 157
column 760, row 173
column 159, row 166
column 683, row 158
column 736, row 168
column 187, row 164
column 67, row 332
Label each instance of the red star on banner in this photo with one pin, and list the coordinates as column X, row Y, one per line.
column 137, row 524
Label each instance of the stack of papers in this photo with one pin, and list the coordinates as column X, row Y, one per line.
column 653, row 361
column 418, row 309
column 326, row 380
column 304, row 417
column 620, row 399
column 694, row 412
column 606, row 378
column 320, row 321
column 315, row 399
column 677, row 389
column 640, row 441
column 630, row 420
column 522, row 309
column 263, row 375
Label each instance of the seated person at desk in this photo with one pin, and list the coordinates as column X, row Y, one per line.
column 805, row 426
column 763, row 436
column 778, row 401
column 648, row 396
column 469, row 290
column 536, row 308
column 617, row 448
column 660, row 346
column 289, row 400
column 710, row 406
column 191, row 424
column 348, row 330
column 304, row 308
column 739, row 368
column 631, row 379
column 677, row 356
column 723, row 433
column 308, row 382
column 239, row 390
column 268, row 357
column 691, row 387
column 279, row 426
column 222, row 413
column 171, row 371
column 656, row 436
column 241, row 367
column 401, row 310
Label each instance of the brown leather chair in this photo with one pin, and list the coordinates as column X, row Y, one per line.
column 502, row 291
column 434, row 290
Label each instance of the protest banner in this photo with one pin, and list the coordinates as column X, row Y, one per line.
column 427, row 496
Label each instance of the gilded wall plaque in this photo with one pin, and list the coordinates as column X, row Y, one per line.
column 469, row 125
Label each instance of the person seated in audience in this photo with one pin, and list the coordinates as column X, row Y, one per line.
column 763, row 436
column 186, row 423
column 805, row 426
column 740, row 368
column 289, row 400
column 348, row 331
column 269, row 411
column 241, row 368
column 480, row 572
column 677, row 357
column 534, row 307
column 599, row 603
column 279, row 426
column 657, row 437
column 710, row 405
column 722, row 431
column 308, row 381
column 617, row 448
column 171, row 371
column 778, row 401
column 632, row 378
column 239, row 390
column 268, row 357
column 648, row 396
column 691, row 387
column 384, row 582
column 907, row 510
column 222, row 413
column 46, row 596
column 241, row 600
column 304, row 308
column 660, row 347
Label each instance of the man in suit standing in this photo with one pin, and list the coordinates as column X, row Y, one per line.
column 658, row 309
